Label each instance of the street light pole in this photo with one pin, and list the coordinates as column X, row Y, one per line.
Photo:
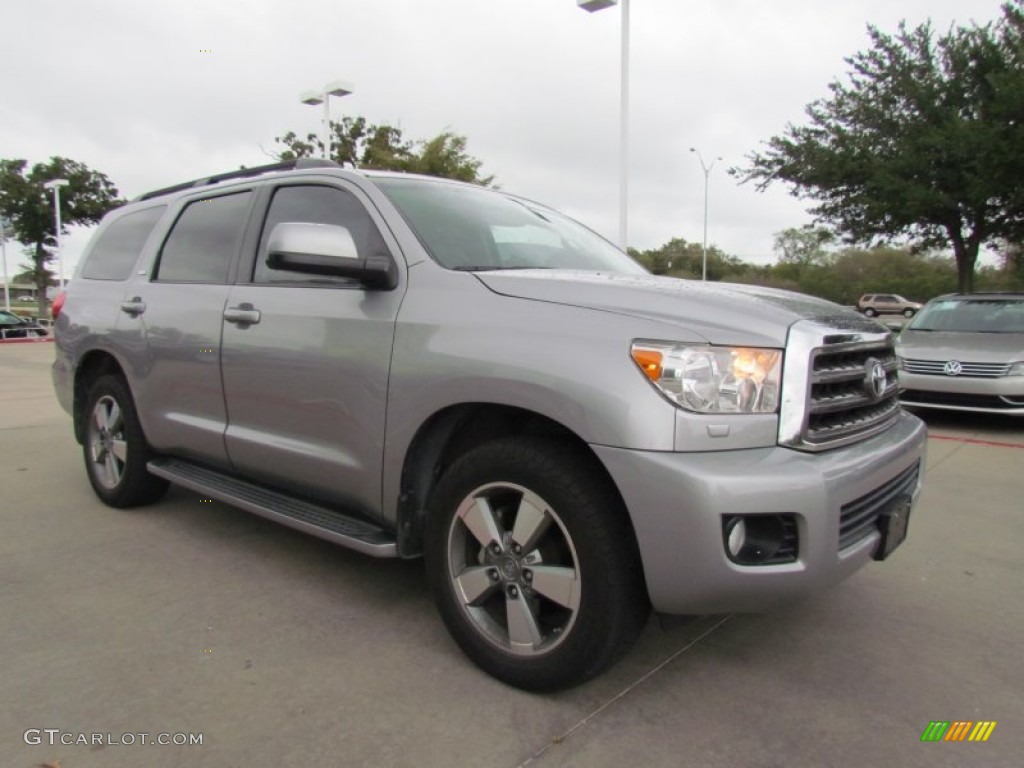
column 707, row 175
column 3, row 250
column 55, row 185
column 598, row 5
column 338, row 88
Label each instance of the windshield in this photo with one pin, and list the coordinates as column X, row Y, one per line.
column 472, row 228
column 990, row 315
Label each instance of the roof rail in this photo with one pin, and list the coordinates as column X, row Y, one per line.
column 298, row 164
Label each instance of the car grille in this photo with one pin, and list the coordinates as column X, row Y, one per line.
column 971, row 370
column 841, row 405
column 857, row 519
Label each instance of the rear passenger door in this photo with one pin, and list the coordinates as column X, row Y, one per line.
column 176, row 312
column 305, row 379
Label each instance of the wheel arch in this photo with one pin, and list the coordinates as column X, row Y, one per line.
column 92, row 366
column 450, row 433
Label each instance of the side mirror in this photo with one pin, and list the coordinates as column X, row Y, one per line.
column 327, row 249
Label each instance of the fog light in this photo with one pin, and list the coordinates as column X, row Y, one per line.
column 760, row 539
column 736, row 536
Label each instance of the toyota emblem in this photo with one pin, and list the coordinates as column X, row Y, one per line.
column 953, row 368
column 875, row 379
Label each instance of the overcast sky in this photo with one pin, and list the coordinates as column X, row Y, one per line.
column 156, row 92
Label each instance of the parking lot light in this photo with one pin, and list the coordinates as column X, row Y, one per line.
column 3, row 251
column 707, row 174
column 55, row 185
column 597, row 5
column 337, row 88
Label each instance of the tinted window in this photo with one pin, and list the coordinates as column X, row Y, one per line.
column 204, row 240
column 317, row 205
column 118, row 246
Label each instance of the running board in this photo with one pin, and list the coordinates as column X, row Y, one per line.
column 304, row 516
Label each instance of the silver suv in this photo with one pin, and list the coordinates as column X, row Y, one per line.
column 874, row 304
column 411, row 366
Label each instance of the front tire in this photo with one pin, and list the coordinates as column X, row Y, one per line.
column 115, row 448
column 908, row 313
column 533, row 563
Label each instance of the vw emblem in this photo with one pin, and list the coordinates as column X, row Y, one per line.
column 953, row 368
column 875, row 379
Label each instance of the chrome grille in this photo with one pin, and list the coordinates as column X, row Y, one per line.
column 839, row 385
column 841, row 406
column 971, row 370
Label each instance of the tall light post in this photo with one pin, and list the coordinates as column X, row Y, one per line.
column 707, row 174
column 599, row 5
column 55, row 185
column 3, row 251
column 338, row 88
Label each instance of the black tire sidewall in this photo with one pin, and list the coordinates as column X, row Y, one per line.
column 613, row 600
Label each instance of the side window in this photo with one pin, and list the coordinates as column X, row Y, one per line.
column 204, row 239
column 119, row 245
column 316, row 205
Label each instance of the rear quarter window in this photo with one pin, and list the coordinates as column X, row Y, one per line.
column 119, row 245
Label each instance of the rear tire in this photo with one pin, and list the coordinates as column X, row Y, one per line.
column 533, row 563
column 115, row 448
column 870, row 312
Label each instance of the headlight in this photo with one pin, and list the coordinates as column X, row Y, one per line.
column 713, row 379
column 1017, row 369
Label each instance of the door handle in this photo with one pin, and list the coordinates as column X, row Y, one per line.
column 135, row 306
column 243, row 315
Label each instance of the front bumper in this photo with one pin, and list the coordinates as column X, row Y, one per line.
column 677, row 502
column 1003, row 394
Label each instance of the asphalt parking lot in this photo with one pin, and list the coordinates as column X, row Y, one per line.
column 190, row 617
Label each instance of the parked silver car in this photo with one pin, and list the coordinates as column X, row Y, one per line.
column 965, row 352
column 874, row 304
column 412, row 366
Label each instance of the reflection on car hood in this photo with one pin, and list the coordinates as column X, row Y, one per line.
column 962, row 346
column 720, row 313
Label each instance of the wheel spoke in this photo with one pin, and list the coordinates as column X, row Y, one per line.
column 99, row 416
column 531, row 523
column 523, row 633
column 558, row 584
column 114, row 417
column 478, row 517
column 475, row 585
column 97, row 451
column 113, row 468
column 120, row 450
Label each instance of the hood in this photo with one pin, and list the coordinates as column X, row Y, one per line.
column 966, row 347
column 720, row 313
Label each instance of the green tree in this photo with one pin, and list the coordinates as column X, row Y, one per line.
column 802, row 246
column 924, row 142
column 29, row 207
column 355, row 142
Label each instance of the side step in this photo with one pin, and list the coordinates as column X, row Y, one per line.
column 322, row 522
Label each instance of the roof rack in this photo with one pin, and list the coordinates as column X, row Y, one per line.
column 298, row 164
